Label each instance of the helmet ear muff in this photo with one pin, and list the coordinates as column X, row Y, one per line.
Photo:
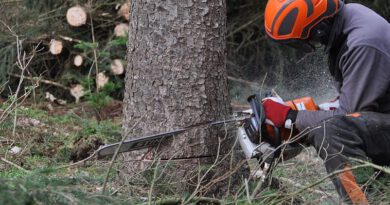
column 320, row 33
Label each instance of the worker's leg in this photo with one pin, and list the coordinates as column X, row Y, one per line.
column 341, row 137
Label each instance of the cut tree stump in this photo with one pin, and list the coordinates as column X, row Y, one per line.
column 56, row 47
column 76, row 16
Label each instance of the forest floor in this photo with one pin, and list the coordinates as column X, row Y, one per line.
column 38, row 141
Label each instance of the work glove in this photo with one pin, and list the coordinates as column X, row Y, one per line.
column 278, row 113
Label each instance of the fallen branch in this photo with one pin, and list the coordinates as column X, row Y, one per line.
column 296, row 184
column 383, row 169
column 40, row 81
column 324, row 178
column 15, row 165
column 66, row 38
column 195, row 200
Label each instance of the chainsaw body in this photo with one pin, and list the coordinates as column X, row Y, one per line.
column 258, row 139
column 261, row 140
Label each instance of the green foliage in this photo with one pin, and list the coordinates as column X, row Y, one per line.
column 37, row 188
column 63, row 154
column 102, row 98
column 106, row 130
column 37, row 22
column 86, row 46
column 119, row 41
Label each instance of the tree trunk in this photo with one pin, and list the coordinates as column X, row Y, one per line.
column 176, row 77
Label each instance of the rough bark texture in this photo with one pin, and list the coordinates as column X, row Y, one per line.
column 176, row 77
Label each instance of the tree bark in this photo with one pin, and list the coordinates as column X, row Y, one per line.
column 176, row 77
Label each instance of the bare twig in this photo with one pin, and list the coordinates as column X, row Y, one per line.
column 327, row 177
column 95, row 59
column 195, row 200
column 153, row 182
column 383, row 169
column 78, row 162
column 40, row 81
column 117, row 151
column 23, row 62
column 248, row 194
column 15, row 165
column 244, row 26
column 296, row 184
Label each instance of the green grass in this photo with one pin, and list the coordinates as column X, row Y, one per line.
column 50, row 146
column 46, row 148
column 38, row 188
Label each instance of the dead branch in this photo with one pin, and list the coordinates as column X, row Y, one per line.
column 195, row 200
column 296, row 184
column 15, row 165
column 383, row 169
column 41, row 81
column 324, row 178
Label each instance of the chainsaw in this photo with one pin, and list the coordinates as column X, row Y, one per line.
column 257, row 137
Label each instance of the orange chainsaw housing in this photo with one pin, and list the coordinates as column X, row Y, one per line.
column 305, row 103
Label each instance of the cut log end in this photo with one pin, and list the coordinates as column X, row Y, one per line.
column 117, row 67
column 76, row 16
column 56, row 47
column 121, row 30
column 124, row 11
column 78, row 60
column 77, row 92
column 101, row 80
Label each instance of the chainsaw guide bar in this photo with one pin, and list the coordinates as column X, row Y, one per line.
column 154, row 140
column 136, row 144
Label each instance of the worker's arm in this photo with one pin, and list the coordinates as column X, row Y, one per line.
column 366, row 78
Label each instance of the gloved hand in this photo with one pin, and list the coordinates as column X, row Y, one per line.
column 277, row 112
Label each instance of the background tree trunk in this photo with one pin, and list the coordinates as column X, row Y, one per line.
column 176, row 76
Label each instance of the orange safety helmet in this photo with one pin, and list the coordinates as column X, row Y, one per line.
column 294, row 19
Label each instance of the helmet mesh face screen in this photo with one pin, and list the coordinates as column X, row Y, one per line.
column 302, row 45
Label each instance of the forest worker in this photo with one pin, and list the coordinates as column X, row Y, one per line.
column 357, row 41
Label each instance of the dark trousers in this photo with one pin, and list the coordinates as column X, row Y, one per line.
column 364, row 136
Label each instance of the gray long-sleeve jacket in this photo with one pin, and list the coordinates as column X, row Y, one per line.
column 360, row 63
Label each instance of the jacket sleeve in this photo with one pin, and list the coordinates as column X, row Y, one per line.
column 366, row 76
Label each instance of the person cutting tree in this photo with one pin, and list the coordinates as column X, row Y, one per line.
column 357, row 41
